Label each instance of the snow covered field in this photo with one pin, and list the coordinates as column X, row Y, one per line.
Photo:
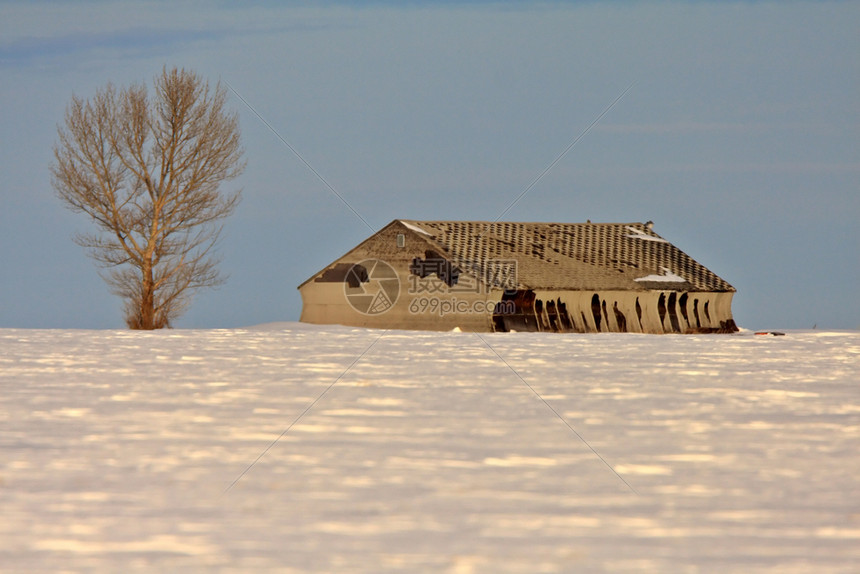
column 433, row 452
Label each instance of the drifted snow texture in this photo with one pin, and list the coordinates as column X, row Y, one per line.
column 430, row 454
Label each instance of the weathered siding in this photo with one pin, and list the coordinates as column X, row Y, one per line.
column 326, row 303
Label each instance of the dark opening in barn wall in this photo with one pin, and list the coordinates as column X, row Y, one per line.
column 705, row 309
column 682, row 304
column 673, row 312
column 564, row 317
column 344, row 272
column 639, row 313
column 554, row 321
column 435, row 264
column 356, row 276
column 499, row 319
column 595, row 311
column 696, row 313
column 523, row 317
column 541, row 317
column 620, row 319
column 661, row 308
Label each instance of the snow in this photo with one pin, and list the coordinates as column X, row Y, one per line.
column 639, row 234
column 667, row 277
column 415, row 228
column 353, row 450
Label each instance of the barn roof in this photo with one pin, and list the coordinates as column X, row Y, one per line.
column 569, row 256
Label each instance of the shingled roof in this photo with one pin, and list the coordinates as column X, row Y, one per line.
column 571, row 256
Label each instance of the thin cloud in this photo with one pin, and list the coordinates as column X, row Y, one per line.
column 138, row 41
column 29, row 49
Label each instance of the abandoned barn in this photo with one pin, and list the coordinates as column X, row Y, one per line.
column 483, row 276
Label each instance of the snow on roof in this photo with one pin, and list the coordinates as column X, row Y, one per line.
column 414, row 227
column 667, row 277
column 639, row 234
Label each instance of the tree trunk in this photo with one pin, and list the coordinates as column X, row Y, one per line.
column 145, row 319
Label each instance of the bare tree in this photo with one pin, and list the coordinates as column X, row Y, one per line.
column 148, row 171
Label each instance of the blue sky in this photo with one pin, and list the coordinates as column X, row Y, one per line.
column 738, row 138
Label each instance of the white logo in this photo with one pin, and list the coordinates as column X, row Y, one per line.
column 371, row 287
